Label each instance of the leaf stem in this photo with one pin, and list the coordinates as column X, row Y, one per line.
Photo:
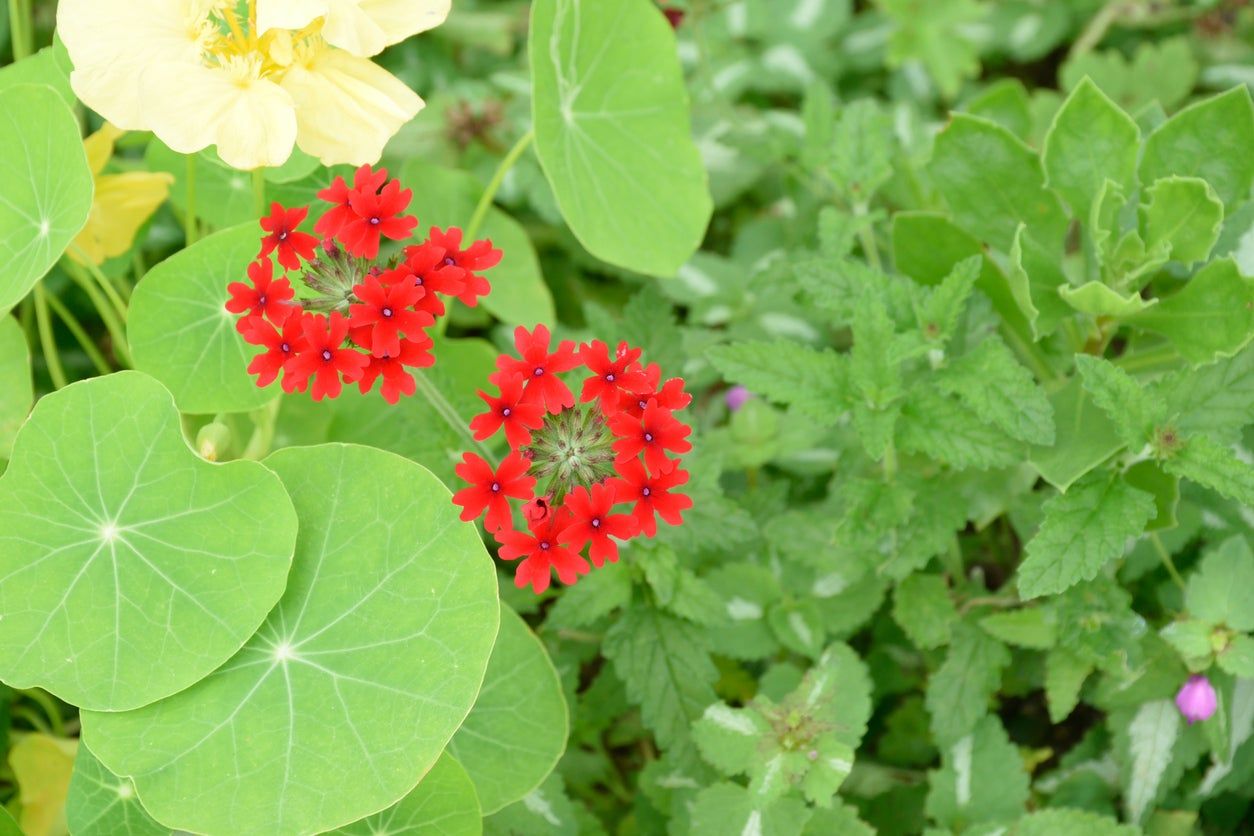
column 38, row 695
column 1164, row 355
column 1165, row 557
column 866, row 237
column 111, row 292
column 47, row 339
column 262, row 439
column 80, row 334
column 451, row 417
column 190, row 231
column 489, row 194
column 117, row 331
column 20, row 34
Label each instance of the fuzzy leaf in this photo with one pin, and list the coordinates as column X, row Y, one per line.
column 1091, row 140
column 1151, row 738
column 1070, row 822
column 730, row 808
column 1065, row 672
column 731, row 738
column 1215, row 400
column 958, row 692
column 951, row 432
column 990, row 381
column 1031, row 627
column 981, row 778
column 924, row 610
column 812, row 380
column 1214, row 466
column 1221, row 591
column 1134, row 410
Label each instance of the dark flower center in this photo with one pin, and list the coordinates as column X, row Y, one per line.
column 646, row 492
column 374, row 221
column 326, row 354
column 496, row 487
column 596, row 523
column 386, row 312
column 285, row 348
column 544, row 545
column 283, row 235
column 539, row 371
column 261, row 301
column 610, row 377
column 449, row 262
column 507, row 412
column 648, row 437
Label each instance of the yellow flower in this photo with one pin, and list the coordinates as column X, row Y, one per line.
column 121, row 205
column 196, row 74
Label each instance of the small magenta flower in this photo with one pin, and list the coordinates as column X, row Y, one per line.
column 1196, row 699
column 736, row 397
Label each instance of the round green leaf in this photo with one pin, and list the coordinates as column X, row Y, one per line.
column 101, row 802
column 182, row 334
column 352, row 688
column 47, row 186
column 15, row 382
column 613, row 134
column 443, row 804
column 129, row 567
column 516, row 732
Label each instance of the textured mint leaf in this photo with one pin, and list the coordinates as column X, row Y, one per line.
column 730, row 808
column 1215, row 400
column 1134, row 410
column 1090, row 141
column 1070, row 822
column 1150, row 739
column 993, row 182
column 861, row 150
column 1238, row 657
column 1221, row 590
column 730, row 738
column 1161, row 73
column 1185, row 214
column 594, row 597
column 798, row 626
column 547, row 811
column 924, row 610
column 747, row 591
column 815, row 381
column 1031, row 627
column 1212, row 316
column 1214, row 466
column 951, row 432
column 933, row 33
column 900, row 525
column 874, row 366
column 1210, row 140
column 1084, row 437
column 991, row 382
column 981, row 778
column 1191, row 639
column 1065, row 672
column 666, row 668
column 939, row 313
column 1083, row 529
column 959, row 691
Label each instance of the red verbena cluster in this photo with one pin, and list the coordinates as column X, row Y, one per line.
column 361, row 319
column 588, row 474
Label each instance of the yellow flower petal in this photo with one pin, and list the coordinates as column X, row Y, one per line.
column 362, row 27
column 42, row 765
column 191, row 107
column 401, row 19
column 288, row 14
column 347, row 108
column 99, row 146
column 122, row 204
column 110, row 43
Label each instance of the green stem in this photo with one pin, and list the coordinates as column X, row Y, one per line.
column 1165, row 557
column 80, row 334
column 117, row 331
column 190, row 230
column 489, row 194
column 49, row 707
column 47, row 339
column 451, row 417
column 1098, row 26
column 262, row 439
column 866, row 237
column 259, row 192
column 890, row 462
column 1163, row 355
column 20, row 34
column 1029, row 353
column 111, row 292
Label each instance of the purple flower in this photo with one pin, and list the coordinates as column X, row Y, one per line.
column 1196, row 699
column 736, row 397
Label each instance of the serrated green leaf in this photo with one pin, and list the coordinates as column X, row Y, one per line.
column 798, row 626
column 924, row 610
column 1084, row 437
column 993, row 182
column 1215, row 400
column 940, row 311
column 594, row 597
column 1192, row 641
column 608, row 98
column 1161, row 72
column 1212, row 316
column 1134, row 410
column 730, row 808
column 747, row 591
column 1185, row 214
column 1221, row 591
column 1070, row 822
column 981, row 778
column 1097, row 299
column 812, row 380
column 1149, row 476
column 1083, row 529
column 1031, row 627
column 1238, row 657
column 933, row 33
column 1151, row 736
column 1065, row 672
column 1090, row 141
column 546, row 811
column 666, row 668
column 991, row 382
column 1211, row 140
column 731, row 738
column 958, row 692
column 947, row 430
column 15, row 382
column 840, row 818
column 1213, row 466
column 861, row 150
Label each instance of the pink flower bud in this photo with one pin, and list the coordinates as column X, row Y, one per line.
column 1196, row 699
column 736, row 397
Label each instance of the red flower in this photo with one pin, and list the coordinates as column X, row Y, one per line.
column 396, row 381
column 542, row 552
column 385, row 312
column 610, row 377
column 510, row 411
column 292, row 245
column 670, row 396
column 325, row 358
column 539, row 368
column 489, row 489
column 377, row 215
column 280, row 346
column 593, row 523
column 425, row 263
column 265, row 296
column 655, row 432
column 651, row 493
column 338, row 193
column 479, row 256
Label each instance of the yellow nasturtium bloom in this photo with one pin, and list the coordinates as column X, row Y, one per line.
column 121, row 204
column 199, row 73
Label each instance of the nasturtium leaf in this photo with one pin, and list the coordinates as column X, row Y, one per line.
column 47, row 186
column 959, row 690
column 1184, row 213
column 182, row 334
column 445, row 197
column 612, row 132
column 1083, row 529
column 130, row 567
column 1211, row 140
column 1084, row 437
column 1211, row 316
column 50, row 66
column 443, row 804
column 1151, row 737
column 516, row 732
column 1097, row 299
column 730, row 808
column 15, row 382
column 8, row 827
column 981, row 778
column 1222, row 590
column 101, row 802
column 373, row 657
column 993, row 182
column 1091, row 140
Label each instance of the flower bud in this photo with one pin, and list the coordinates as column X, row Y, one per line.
column 1196, row 699
column 736, row 397
column 213, row 440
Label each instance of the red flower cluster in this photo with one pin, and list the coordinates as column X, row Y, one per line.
column 362, row 320
column 589, row 474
